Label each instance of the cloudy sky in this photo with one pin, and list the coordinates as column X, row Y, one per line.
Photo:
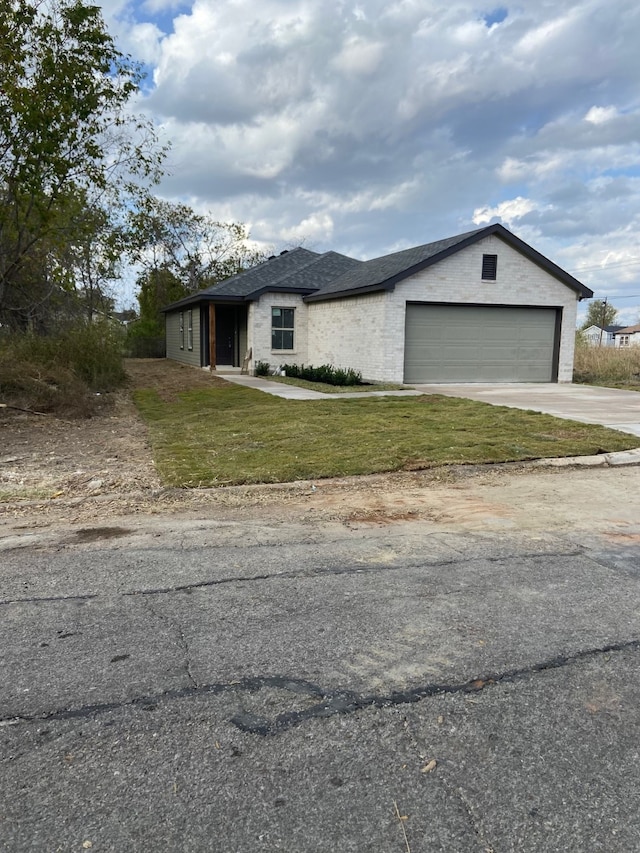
column 367, row 126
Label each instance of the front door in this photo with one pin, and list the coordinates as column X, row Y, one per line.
column 226, row 335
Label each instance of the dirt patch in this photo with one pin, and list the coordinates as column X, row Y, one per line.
column 168, row 378
column 96, row 534
column 57, row 459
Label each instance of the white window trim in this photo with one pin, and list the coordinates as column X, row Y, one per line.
column 190, row 329
column 181, row 330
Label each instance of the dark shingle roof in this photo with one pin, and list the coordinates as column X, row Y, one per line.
column 385, row 272
column 333, row 276
column 270, row 273
column 372, row 275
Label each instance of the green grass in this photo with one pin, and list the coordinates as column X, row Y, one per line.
column 325, row 388
column 235, row 435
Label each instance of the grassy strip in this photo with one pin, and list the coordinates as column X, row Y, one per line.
column 234, row 435
column 325, row 388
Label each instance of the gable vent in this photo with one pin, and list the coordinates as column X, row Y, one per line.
column 489, row 267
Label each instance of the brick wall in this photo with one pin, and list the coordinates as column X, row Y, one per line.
column 259, row 330
column 458, row 279
column 351, row 333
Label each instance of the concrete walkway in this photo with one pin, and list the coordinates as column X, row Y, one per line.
column 588, row 404
column 293, row 392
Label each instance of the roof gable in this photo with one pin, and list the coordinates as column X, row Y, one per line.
column 319, row 277
column 385, row 272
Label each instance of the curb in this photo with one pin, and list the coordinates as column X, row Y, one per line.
column 602, row 460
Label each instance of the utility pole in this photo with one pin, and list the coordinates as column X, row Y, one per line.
column 604, row 314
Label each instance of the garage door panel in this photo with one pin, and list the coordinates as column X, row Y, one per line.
column 463, row 343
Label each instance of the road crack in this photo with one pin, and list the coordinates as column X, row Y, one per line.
column 331, row 702
column 182, row 641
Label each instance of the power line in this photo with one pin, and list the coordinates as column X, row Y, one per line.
column 616, row 296
column 608, row 267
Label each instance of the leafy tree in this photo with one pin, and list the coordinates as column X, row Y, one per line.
column 158, row 286
column 197, row 249
column 600, row 313
column 65, row 137
column 180, row 252
column 92, row 257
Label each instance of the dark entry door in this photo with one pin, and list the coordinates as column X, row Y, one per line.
column 226, row 334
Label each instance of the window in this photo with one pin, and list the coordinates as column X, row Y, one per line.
column 182, row 330
column 282, row 328
column 489, row 267
column 624, row 340
column 190, row 330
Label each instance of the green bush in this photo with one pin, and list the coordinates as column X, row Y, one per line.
column 326, row 373
column 262, row 368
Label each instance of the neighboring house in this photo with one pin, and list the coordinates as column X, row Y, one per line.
column 480, row 307
column 600, row 336
column 629, row 336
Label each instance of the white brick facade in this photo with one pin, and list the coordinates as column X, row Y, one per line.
column 367, row 332
column 457, row 279
column 259, row 330
column 350, row 333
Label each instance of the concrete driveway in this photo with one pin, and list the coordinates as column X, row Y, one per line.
column 608, row 407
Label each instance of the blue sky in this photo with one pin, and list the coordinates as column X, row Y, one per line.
column 367, row 126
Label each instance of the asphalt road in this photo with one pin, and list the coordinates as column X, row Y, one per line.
column 265, row 687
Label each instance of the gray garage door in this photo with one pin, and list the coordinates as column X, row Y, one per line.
column 469, row 343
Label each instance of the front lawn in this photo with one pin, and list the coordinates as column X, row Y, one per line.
column 229, row 434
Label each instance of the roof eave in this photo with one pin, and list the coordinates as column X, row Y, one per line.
column 345, row 294
column 200, row 297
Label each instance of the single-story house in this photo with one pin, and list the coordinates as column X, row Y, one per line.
column 627, row 336
column 600, row 336
column 483, row 306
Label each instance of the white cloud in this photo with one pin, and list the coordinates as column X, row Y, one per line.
column 359, row 57
column 600, row 115
column 317, row 227
column 507, row 211
column 364, row 126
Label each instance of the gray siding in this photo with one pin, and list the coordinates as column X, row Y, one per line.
column 186, row 356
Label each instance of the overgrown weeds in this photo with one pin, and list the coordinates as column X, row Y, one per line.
column 64, row 374
column 613, row 366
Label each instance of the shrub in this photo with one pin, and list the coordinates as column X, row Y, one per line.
column 326, row 373
column 262, row 368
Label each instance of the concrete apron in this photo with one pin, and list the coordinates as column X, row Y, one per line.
column 588, row 404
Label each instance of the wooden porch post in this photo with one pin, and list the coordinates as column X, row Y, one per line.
column 212, row 336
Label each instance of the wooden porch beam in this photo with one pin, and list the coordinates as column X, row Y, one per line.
column 212, row 336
